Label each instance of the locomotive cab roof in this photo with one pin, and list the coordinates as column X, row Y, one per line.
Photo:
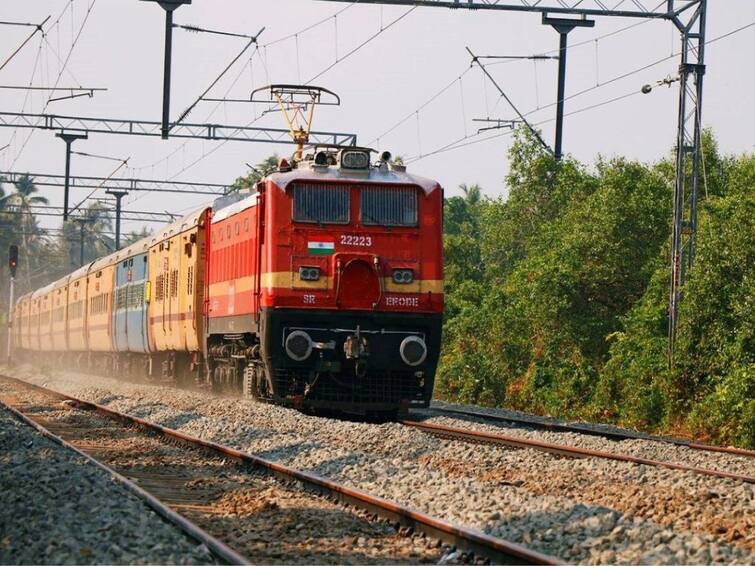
column 348, row 163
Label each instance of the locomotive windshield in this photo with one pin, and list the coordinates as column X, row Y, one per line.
column 389, row 206
column 321, row 204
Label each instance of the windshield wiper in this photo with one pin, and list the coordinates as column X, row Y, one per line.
column 373, row 219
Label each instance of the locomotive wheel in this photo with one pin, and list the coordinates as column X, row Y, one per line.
column 255, row 382
column 249, row 382
column 217, row 379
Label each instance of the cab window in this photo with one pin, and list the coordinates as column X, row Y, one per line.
column 389, row 206
column 321, row 204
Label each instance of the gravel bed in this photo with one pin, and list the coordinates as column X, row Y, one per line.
column 256, row 515
column 651, row 448
column 58, row 508
column 583, row 511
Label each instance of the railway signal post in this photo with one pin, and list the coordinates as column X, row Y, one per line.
column 12, row 265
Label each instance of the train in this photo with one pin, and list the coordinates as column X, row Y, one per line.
column 321, row 288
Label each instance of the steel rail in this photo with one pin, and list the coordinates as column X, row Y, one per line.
column 609, row 434
column 496, row 549
column 563, row 449
column 195, row 532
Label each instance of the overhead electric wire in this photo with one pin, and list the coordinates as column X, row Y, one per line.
column 513, row 106
column 50, row 88
column 311, row 26
column 26, row 24
column 220, row 76
column 55, row 25
column 197, row 29
column 54, row 51
column 354, row 50
column 60, row 73
column 105, row 207
column 265, row 46
column 459, row 142
column 12, row 137
column 421, row 106
column 642, row 68
column 38, row 28
column 57, row 214
column 96, row 156
column 98, row 187
column 365, row 42
column 467, row 69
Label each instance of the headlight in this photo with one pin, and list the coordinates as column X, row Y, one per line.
column 403, row 276
column 309, row 273
column 355, row 160
column 298, row 345
column 413, row 350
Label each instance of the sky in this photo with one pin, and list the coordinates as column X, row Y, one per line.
column 408, row 89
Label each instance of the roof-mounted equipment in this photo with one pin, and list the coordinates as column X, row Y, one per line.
column 297, row 102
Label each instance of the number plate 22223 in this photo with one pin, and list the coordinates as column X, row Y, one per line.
column 355, row 240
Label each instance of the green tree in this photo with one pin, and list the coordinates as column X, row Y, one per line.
column 258, row 172
column 556, row 296
column 94, row 233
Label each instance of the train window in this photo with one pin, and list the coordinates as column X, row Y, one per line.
column 228, row 232
column 389, row 206
column 321, row 204
column 174, row 283
column 246, row 224
column 238, row 229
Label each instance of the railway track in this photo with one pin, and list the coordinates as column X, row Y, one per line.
column 154, row 497
column 468, row 435
column 404, row 519
column 617, row 435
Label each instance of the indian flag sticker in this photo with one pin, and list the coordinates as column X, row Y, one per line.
column 321, row 246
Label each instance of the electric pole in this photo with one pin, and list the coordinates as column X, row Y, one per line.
column 82, row 222
column 563, row 26
column 118, row 197
column 68, row 139
column 169, row 6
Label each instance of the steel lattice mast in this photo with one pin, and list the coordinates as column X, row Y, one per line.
column 689, row 17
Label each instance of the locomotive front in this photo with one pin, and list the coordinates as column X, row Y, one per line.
column 351, row 285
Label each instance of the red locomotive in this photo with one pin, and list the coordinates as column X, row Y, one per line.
column 322, row 289
column 325, row 287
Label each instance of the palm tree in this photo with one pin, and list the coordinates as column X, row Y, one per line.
column 96, row 241
column 20, row 203
column 24, row 198
column 472, row 193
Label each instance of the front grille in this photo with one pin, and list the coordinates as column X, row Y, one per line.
column 386, row 387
